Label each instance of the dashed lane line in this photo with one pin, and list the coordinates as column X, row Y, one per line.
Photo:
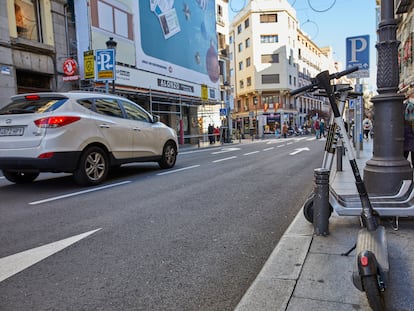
column 78, row 193
column 178, row 170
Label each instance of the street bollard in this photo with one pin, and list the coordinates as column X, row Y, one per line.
column 339, row 155
column 321, row 210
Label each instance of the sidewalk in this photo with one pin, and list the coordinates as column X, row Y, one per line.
column 306, row 272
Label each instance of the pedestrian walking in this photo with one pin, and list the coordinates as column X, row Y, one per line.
column 210, row 131
column 367, row 127
column 317, row 128
column 284, row 130
column 408, row 129
column 322, row 128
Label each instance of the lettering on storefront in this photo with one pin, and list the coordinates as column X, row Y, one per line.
column 175, row 85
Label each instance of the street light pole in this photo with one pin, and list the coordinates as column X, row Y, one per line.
column 111, row 44
column 386, row 170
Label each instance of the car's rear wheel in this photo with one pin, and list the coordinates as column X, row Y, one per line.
column 20, row 177
column 93, row 167
column 169, row 155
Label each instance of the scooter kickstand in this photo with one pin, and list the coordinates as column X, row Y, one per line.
column 349, row 252
column 394, row 223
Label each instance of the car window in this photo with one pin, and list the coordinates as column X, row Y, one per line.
column 35, row 105
column 108, row 107
column 134, row 112
column 87, row 103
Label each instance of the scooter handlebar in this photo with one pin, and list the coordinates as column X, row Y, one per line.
column 315, row 81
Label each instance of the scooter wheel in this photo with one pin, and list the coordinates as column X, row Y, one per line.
column 372, row 291
column 308, row 209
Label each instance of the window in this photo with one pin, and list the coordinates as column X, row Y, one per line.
column 248, row 62
column 240, row 65
column 249, row 81
column 241, row 84
column 133, row 112
column 28, row 24
column 268, row 18
column 246, row 23
column 270, row 58
column 247, row 42
column 240, row 47
column 108, row 107
column 231, row 39
column 269, row 79
column 106, row 16
column 269, row 38
column 239, row 29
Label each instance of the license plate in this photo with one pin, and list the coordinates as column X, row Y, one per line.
column 11, row 131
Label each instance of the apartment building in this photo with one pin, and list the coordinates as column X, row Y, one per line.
column 36, row 37
column 405, row 34
column 270, row 56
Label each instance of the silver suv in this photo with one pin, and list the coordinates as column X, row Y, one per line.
column 81, row 133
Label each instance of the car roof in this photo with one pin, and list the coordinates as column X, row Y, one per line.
column 71, row 94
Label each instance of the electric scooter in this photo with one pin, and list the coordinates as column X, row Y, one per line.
column 343, row 92
column 371, row 267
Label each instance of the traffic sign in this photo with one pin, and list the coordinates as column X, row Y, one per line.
column 105, row 64
column 223, row 112
column 69, row 67
column 89, row 65
column 357, row 54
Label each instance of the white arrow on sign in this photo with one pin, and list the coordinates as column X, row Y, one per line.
column 299, row 150
column 13, row 264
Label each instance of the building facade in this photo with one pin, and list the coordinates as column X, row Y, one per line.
column 270, row 56
column 166, row 58
column 35, row 39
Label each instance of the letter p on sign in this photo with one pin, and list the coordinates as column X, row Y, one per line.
column 357, row 54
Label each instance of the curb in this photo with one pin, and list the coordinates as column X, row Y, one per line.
column 274, row 285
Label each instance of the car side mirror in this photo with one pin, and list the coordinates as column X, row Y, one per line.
column 155, row 119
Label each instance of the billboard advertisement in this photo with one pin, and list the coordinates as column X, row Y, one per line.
column 173, row 38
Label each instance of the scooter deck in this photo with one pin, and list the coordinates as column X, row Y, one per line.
column 376, row 242
column 400, row 204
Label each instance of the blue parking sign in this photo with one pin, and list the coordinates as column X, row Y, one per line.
column 105, row 64
column 357, row 54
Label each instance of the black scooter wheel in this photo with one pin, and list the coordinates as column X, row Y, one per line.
column 374, row 294
column 308, row 208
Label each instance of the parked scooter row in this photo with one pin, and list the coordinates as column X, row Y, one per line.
column 371, row 265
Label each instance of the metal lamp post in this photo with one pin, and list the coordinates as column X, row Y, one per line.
column 111, row 44
column 386, row 170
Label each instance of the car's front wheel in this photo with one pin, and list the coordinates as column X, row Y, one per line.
column 20, row 177
column 93, row 167
column 169, row 155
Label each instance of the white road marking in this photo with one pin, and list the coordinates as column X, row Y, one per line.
column 79, row 193
column 267, row 149
column 15, row 263
column 249, row 153
column 223, row 150
column 178, row 170
column 299, row 150
column 290, row 143
column 281, row 146
column 224, row 159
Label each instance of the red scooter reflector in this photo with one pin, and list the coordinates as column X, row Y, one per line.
column 364, row 261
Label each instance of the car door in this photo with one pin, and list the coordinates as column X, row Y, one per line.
column 115, row 129
column 145, row 136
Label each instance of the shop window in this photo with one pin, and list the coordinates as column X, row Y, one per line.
column 28, row 19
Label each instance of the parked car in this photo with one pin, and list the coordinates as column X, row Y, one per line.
column 82, row 133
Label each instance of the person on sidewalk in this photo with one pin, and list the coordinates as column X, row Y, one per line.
column 210, row 131
column 284, row 130
column 322, row 128
column 367, row 126
column 408, row 129
column 317, row 128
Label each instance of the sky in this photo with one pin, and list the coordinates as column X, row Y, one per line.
column 330, row 22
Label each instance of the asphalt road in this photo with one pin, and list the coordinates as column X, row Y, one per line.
column 190, row 238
